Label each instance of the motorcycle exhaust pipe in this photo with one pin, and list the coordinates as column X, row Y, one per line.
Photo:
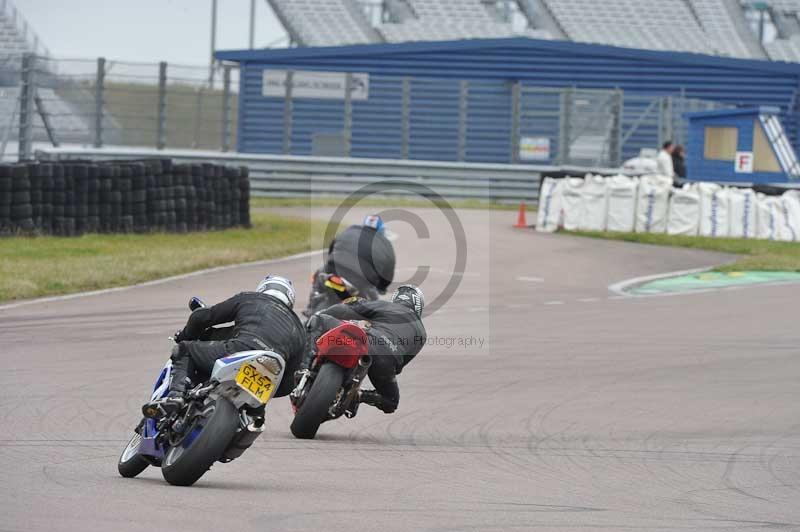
column 244, row 439
column 361, row 369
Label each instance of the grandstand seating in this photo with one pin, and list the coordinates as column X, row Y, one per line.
column 450, row 10
column 437, row 20
column 426, row 30
column 725, row 27
column 785, row 6
column 324, row 22
column 784, row 49
column 651, row 24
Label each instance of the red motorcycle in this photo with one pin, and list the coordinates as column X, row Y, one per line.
column 330, row 388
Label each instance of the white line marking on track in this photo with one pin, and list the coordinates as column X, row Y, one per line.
column 554, row 303
column 531, row 279
column 588, row 299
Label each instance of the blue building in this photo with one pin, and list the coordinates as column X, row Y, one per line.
column 740, row 145
column 482, row 100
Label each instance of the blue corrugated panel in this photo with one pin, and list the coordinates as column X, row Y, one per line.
column 377, row 122
column 537, row 63
column 488, row 121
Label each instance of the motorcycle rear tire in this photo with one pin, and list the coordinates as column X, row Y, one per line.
column 206, row 448
column 314, row 409
column 131, row 464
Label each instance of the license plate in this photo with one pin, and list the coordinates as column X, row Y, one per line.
column 256, row 384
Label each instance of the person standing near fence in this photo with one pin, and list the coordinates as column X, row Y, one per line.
column 679, row 162
column 664, row 159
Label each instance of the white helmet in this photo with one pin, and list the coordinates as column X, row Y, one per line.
column 278, row 287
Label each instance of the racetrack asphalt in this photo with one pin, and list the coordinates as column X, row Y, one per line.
column 581, row 409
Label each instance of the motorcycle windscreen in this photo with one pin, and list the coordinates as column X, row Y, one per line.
column 343, row 345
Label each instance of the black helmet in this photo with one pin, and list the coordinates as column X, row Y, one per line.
column 410, row 296
column 278, row 287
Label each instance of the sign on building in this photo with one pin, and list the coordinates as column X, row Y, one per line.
column 744, row 162
column 534, row 149
column 319, row 85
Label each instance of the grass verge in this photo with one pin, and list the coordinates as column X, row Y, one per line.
column 755, row 255
column 40, row 266
column 332, row 201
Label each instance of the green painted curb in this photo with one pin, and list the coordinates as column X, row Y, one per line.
column 710, row 281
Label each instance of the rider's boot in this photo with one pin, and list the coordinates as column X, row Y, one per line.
column 371, row 397
column 174, row 400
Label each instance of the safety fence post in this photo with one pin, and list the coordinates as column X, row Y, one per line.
column 226, row 107
column 287, row 113
column 516, row 118
column 463, row 111
column 161, row 134
column 348, row 113
column 615, row 139
column 565, row 126
column 405, row 118
column 99, row 90
column 26, row 111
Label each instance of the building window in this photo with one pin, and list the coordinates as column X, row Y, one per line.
column 764, row 159
column 721, row 143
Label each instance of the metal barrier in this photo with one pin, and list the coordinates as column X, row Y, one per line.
column 103, row 102
column 295, row 176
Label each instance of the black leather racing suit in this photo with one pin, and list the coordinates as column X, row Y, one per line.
column 363, row 256
column 260, row 322
column 396, row 335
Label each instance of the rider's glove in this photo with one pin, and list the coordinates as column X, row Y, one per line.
column 177, row 336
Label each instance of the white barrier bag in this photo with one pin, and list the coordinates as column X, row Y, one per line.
column 621, row 203
column 595, row 204
column 767, row 217
column 789, row 217
column 548, row 217
column 652, row 204
column 684, row 211
column 743, row 209
column 714, row 220
column 572, row 202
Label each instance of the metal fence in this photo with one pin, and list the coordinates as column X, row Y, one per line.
column 293, row 176
column 487, row 121
column 103, row 102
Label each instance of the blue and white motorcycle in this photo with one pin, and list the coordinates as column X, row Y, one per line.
column 222, row 417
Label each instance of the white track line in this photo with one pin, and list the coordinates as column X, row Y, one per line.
column 158, row 281
column 531, row 279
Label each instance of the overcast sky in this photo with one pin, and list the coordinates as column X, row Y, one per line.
column 176, row 31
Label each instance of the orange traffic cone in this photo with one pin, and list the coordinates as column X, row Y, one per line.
column 521, row 223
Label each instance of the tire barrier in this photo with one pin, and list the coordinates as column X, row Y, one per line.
column 70, row 198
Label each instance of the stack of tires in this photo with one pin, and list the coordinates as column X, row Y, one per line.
column 75, row 197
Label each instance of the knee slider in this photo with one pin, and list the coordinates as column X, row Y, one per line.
column 389, row 404
column 178, row 352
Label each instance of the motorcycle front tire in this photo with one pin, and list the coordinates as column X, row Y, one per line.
column 131, row 463
column 314, row 409
column 184, row 466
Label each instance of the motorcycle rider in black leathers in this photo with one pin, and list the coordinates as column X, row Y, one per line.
column 364, row 256
column 262, row 320
column 396, row 335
